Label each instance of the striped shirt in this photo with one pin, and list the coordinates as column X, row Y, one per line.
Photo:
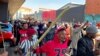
column 26, row 44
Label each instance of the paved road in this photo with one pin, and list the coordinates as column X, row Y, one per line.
column 10, row 51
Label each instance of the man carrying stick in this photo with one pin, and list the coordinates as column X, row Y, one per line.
column 57, row 46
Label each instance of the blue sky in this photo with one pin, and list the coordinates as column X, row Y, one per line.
column 50, row 4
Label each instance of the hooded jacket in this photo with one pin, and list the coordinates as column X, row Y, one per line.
column 54, row 47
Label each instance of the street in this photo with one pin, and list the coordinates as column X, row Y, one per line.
column 10, row 51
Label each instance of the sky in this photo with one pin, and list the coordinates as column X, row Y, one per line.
column 49, row 4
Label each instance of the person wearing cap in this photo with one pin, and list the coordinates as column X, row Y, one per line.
column 57, row 46
column 27, row 44
column 85, row 46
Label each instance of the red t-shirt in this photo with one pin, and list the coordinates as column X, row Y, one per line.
column 53, row 47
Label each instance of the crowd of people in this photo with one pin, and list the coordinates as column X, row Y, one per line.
column 68, row 39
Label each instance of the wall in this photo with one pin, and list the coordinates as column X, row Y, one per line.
column 3, row 11
column 92, row 10
column 75, row 14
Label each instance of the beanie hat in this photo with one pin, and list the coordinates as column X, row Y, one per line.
column 91, row 29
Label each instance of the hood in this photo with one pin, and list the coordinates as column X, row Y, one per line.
column 56, row 39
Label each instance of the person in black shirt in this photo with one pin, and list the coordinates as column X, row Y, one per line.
column 85, row 46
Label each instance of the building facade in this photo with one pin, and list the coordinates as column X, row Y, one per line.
column 8, row 8
column 23, row 12
column 92, row 10
column 75, row 14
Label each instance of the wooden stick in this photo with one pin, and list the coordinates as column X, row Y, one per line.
column 53, row 23
column 2, row 39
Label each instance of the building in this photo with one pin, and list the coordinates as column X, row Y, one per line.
column 38, row 15
column 23, row 12
column 88, row 12
column 75, row 14
column 92, row 7
column 45, row 14
column 8, row 8
column 92, row 10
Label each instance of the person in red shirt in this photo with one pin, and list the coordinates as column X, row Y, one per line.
column 23, row 32
column 57, row 46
